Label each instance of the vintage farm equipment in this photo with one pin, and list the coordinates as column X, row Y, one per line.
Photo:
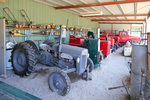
column 93, row 46
column 66, row 58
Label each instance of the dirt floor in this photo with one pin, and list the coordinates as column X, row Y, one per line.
column 112, row 72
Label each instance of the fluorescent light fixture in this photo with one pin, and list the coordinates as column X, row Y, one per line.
column 91, row 13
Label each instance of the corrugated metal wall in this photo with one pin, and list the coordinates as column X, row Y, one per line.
column 43, row 14
column 115, row 27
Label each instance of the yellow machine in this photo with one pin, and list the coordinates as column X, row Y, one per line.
column 16, row 32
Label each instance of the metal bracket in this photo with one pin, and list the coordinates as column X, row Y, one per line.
column 50, row 34
column 69, row 70
column 29, row 34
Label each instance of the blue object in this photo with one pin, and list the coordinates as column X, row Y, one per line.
column 29, row 34
column 50, row 34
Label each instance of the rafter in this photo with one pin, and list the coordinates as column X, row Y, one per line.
column 102, row 4
column 119, row 20
column 119, row 23
column 116, row 15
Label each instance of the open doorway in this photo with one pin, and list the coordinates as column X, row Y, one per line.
column 136, row 30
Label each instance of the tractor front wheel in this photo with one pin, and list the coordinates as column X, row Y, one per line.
column 59, row 82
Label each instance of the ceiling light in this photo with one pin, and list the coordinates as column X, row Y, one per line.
column 91, row 13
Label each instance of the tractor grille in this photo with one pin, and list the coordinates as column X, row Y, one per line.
column 83, row 62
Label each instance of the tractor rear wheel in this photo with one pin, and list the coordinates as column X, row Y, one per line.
column 23, row 59
column 33, row 46
column 90, row 64
column 59, row 82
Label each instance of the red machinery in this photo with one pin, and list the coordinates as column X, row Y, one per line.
column 76, row 40
column 117, row 40
column 113, row 49
column 105, row 47
column 89, row 43
column 122, row 37
column 112, row 41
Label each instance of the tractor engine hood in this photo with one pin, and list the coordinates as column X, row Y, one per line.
column 79, row 54
column 74, row 50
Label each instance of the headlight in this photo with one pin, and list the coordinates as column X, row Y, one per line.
column 78, row 60
column 88, row 55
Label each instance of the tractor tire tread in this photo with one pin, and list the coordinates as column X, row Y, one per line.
column 68, row 83
column 30, row 56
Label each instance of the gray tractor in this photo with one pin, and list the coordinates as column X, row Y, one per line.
column 66, row 58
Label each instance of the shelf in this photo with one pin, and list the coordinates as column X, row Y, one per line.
column 36, row 35
column 39, row 35
column 24, row 35
column 16, row 35
column 28, row 28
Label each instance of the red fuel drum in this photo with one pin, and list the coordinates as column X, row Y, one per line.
column 105, row 47
column 117, row 40
column 112, row 41
column 76, row 40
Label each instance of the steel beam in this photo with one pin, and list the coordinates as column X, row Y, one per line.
column 118, row 20
column 102, row 4
column 119, row 23
column 116, row 15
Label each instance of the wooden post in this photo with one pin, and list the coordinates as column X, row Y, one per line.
column 147, row 80
column 148, row 47
column 148, row 42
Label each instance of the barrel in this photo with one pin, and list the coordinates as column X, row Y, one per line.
column 112, row 42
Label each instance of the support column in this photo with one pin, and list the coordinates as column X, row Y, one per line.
column 2, row 48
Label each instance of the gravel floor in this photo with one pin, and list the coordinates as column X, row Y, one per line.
column 111, row 73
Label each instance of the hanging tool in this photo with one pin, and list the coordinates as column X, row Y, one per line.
column 11, row 33
column 14, row 20
column 25, row 16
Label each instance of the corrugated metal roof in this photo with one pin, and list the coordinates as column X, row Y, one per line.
column 132, row 8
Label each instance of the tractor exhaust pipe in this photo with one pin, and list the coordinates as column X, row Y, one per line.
column 60, row 42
